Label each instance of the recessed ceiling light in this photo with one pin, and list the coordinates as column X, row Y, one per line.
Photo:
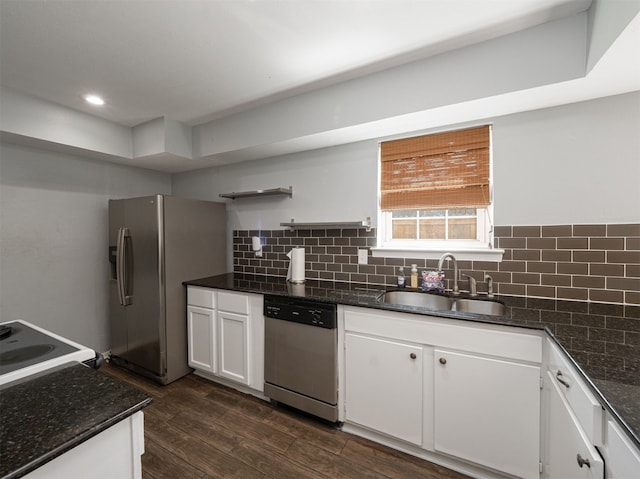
column 94, row 99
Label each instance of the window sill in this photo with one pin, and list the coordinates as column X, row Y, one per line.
column 463, row 254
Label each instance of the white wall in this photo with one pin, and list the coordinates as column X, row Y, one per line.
column 53, row 238
column 573, row 164
column 577, row 163
column 330, row 184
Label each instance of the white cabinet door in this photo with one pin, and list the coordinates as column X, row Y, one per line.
column 623, row 457
column 114, row 453
column 583, row 403
column 234, row 346
column 567, row 444
column 201, row 328
column 384, row 386
column 488, row 411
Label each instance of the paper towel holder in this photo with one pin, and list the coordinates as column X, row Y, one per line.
column 256, row 246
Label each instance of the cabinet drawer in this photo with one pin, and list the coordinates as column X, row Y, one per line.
column 500, row 341
column 623, row 459
column 203, row 297
column 233, row 302
column 582, row 401
column 566, row 444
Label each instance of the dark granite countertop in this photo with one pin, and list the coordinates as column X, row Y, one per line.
column 601, row 340
column 46, row 415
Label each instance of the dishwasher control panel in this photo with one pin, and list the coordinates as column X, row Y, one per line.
column 313, row 313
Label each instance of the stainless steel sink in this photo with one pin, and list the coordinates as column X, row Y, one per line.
column 415, row 298
column 443, row 303
column 479, row 306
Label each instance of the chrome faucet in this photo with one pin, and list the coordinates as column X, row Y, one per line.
column 455, row 270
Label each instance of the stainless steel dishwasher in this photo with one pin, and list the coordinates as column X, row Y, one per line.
column 301, row 355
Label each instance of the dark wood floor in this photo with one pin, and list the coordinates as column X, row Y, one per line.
column 198, row 429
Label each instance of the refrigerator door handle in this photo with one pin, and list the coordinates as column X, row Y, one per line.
column 121, row 260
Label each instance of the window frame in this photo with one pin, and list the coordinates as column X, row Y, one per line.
column 482, row 231
column 480, row 248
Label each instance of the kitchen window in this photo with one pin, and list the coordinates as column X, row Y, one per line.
column 435, row 194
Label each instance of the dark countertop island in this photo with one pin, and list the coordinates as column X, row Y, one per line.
column 602, row 340
column 47, row 414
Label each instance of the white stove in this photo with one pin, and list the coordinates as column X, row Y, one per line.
column 26, row 349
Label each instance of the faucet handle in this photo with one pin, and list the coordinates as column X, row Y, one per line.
column 473, row 285
column 489, row 280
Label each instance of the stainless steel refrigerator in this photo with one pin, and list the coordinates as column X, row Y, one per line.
column 156, row 243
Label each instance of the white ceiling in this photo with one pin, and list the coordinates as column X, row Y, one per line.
column 196, row 60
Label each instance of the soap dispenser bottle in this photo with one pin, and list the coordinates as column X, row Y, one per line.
column 401, row 279
column 414, row 275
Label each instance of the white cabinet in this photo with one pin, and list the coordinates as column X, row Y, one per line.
column 115, row 452
column 384, row 386
column 233, row 336
column 202, row 334
column 202, row 337
column 569, row 452
column 585, row 406
column 234, row 346
column 576, row 422
column 573, row 421
column 487, row 411
column 622, row 458
column 226, row 335
column 454, row 389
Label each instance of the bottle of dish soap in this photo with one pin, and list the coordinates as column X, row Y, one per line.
column 414, row 275
column 401, row 279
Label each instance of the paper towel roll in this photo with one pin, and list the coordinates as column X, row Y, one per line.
column 295, row 273
column 256, row 247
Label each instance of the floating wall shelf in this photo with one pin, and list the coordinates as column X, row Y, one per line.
column 247, row 194
column 364, row 224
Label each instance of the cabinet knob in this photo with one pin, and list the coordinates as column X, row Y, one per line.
column 443, row 361
column 582, row 461
column 413, row 355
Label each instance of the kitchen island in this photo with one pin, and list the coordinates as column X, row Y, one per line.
column 617, row 389
column 53, row 419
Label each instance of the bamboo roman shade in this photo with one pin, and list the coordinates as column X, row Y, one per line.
column 440, row 171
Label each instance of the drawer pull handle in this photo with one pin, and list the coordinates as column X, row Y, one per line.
column 443, row 361
column 561, row 380
column 583, row 462
column 413, row 355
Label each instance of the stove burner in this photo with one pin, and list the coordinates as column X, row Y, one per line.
column 25, row 353
column 5, row 332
